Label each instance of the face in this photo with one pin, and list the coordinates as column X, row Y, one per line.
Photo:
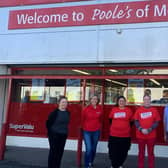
column 147, row 101
column 94, row 100
column 121, row 102
column 63, row 104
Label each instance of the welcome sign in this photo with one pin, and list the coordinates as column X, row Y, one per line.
column 99, row 14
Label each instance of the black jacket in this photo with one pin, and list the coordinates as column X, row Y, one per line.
column 51, row 119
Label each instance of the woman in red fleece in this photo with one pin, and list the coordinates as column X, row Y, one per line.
column 91, row 123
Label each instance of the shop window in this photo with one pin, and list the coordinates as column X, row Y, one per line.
column 113, row 89
column 138, row 71
column 135, row 89
column 34, row 99
column 93, row 87
column 37, row 90
column 74, row 90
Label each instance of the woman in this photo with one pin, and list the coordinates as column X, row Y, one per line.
column 120, row 132
column 91, row 123
column 57, row 126
column 146, row 122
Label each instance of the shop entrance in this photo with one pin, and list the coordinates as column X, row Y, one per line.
column 33, row 94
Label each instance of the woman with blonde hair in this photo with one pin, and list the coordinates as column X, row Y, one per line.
column 91, row 124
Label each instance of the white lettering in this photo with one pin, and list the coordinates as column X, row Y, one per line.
column 77, row 16
column 117, row 13
column 46, row 18
column 30, row 20
column 39, row 19
column 140, row 13
column 34, row 19
column 22, row 19
column 23, row 126
column 158, row 11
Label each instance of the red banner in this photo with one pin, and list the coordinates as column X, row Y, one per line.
column 31, row 2
column 113, row 13
column 28, row 119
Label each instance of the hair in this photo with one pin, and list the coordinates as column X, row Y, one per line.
column 118, row 98
column 62, row 97
column 98, row 99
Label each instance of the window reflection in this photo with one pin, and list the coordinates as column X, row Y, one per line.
column 47, row 91
column 93, row 87
column 37, row 90
column 113, row 71
column 135, row 89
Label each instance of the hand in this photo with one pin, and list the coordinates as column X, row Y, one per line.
column 144, row 131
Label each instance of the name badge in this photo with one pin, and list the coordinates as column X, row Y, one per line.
column 120, row 115
column 146, row 115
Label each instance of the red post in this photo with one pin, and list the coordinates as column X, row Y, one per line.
column 80, row 137
column 4, row 125
column 2, row 141
column 79, row 150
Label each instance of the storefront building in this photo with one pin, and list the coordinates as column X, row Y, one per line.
column 79, row 48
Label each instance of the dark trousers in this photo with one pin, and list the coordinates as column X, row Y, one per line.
column 57, row 143
column 118, row 150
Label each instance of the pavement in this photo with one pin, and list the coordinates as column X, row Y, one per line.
column 19, row 157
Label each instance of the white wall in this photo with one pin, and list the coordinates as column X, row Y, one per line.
column 160, row 151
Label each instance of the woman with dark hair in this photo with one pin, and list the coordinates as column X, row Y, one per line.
column 91, row 123
column 120, row 132
column 57, row 127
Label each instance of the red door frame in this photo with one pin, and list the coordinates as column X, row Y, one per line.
column 11, row 77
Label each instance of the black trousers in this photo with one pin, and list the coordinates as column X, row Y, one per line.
column 118, row 150
column 57, row 144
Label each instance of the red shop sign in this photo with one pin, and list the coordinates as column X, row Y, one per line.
column 99, row 14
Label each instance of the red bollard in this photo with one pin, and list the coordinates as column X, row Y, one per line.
column 79, row 150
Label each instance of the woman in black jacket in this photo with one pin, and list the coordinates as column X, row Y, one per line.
column 57, row 127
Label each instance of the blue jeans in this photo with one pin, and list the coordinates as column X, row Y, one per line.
column 91, row 139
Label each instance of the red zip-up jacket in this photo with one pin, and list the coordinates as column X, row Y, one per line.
column 91, row 118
